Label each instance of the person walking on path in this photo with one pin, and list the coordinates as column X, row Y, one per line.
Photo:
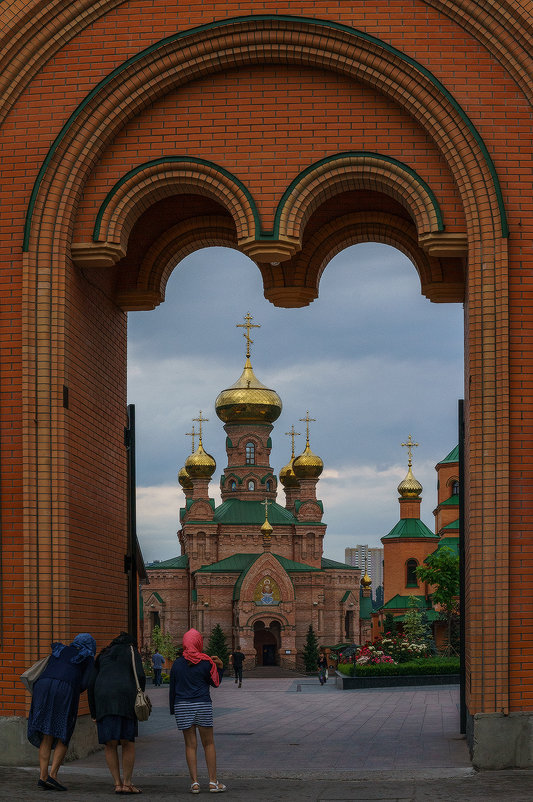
column 237, row 658
column 54, row 704
column 112, row 691
column 191, row 676
column 322, row 668
column 158, row 662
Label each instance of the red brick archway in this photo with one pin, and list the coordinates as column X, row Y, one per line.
column 376, row 138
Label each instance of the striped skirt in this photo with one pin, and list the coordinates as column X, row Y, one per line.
column 189, row 714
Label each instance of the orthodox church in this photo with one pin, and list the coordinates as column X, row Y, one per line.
column 250, row 564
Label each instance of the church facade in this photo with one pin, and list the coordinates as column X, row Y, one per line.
column 250, row 564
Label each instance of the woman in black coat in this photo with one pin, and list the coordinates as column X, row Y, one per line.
column 112, row 691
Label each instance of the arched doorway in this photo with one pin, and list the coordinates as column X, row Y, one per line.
column 266, row 643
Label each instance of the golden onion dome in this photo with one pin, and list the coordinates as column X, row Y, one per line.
column 248, row 401
column 287, row 476
column 409, row 487
column 366, row 581
column 200, row 465
column 266, row 529
column 184, row 479
column 307, row 465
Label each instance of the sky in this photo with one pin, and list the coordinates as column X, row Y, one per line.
column 371, row 359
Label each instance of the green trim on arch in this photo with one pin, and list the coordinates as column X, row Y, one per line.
column 358, row 154
column 173, row 160
column 312, row 21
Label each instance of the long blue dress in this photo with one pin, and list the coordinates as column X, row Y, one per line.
column 56, row 696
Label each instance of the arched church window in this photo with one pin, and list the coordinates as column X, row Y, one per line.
column 250, row 454
column 411, row 579
column 233, row 485
column 251, row 485
column 269, row 485
column 455, row 488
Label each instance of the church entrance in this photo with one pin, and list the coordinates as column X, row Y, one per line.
column 266, row 643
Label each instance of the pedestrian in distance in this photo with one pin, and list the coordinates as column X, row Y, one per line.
column 54, row 704
column 322, row 668
column 112, row 692
column 236, row 659
column 158, row 662
column 191, row 677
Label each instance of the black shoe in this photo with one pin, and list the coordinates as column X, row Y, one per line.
column 54, row 785
column 42, row 784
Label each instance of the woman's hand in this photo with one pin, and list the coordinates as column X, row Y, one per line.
column 218, row 662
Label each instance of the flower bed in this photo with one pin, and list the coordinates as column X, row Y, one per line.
column 428, row 671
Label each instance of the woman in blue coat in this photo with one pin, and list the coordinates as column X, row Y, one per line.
column 54, row 704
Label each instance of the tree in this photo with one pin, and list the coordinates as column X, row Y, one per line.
column 311, row 650
column 218, row 644
column 390, row 625
column 163, row 643
column 441, row 569
column 413, row 625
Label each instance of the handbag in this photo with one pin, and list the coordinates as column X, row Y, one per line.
column 32, row 674
column 143, row 705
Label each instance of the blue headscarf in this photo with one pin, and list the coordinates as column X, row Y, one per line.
column 84, row 643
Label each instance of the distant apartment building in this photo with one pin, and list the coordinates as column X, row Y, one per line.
column 374, row 555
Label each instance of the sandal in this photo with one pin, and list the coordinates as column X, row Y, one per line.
column 131, row 789
column 195, row 788
column 118, row 789
column 216, row 787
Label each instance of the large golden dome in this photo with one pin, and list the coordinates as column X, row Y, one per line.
column 409, row 487
column 307, row 465
column 200, row 465
column 287, row 476
column 248, row 401
column 184, row 479
column 366, row 581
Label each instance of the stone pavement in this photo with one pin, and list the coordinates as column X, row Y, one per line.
column 291, row 739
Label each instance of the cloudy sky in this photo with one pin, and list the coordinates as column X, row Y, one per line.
column 371, row 359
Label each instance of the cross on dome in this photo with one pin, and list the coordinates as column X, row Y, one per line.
column 193, row 435
column 248, row 325
column 200, row 420
column 410, row 445
column 307, row 420
column 292, row 434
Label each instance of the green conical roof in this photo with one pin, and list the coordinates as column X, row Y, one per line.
column 411, row 527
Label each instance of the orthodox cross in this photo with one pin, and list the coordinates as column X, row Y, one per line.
column 410, row 445
column 292, row 434
column 200, row 420
column 307, row 420
column 193, row 435
column 248, row 325
column 265, row 504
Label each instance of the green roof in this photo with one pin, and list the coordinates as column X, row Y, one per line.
column 402, row 603
column 453, row 501
column 175, row 562
column 410, row 527
column 453, row 456
column 236, row 511
column 332, row 564
column 452, row 525
column 345, row 596
column 451, row 542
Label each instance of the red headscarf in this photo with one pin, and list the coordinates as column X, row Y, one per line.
column 192, row 651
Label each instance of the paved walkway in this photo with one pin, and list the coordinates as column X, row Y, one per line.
column 292, row 739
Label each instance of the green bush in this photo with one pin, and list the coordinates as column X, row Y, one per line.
column 433, row 665
column 346, row 669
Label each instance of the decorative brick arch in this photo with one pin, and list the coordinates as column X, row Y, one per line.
column 148, row 183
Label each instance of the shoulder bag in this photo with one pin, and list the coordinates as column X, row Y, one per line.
column 143, row 705
column 32, row 674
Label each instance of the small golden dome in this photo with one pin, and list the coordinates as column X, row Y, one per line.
column 409, row 487
column 184, row 479
column 287, row 476
column 366, row 581
column 307, row 465
column 200, row 465
column 266, row 529
column 248, row 401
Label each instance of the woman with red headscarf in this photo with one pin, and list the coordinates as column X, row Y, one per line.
column 191, row 676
